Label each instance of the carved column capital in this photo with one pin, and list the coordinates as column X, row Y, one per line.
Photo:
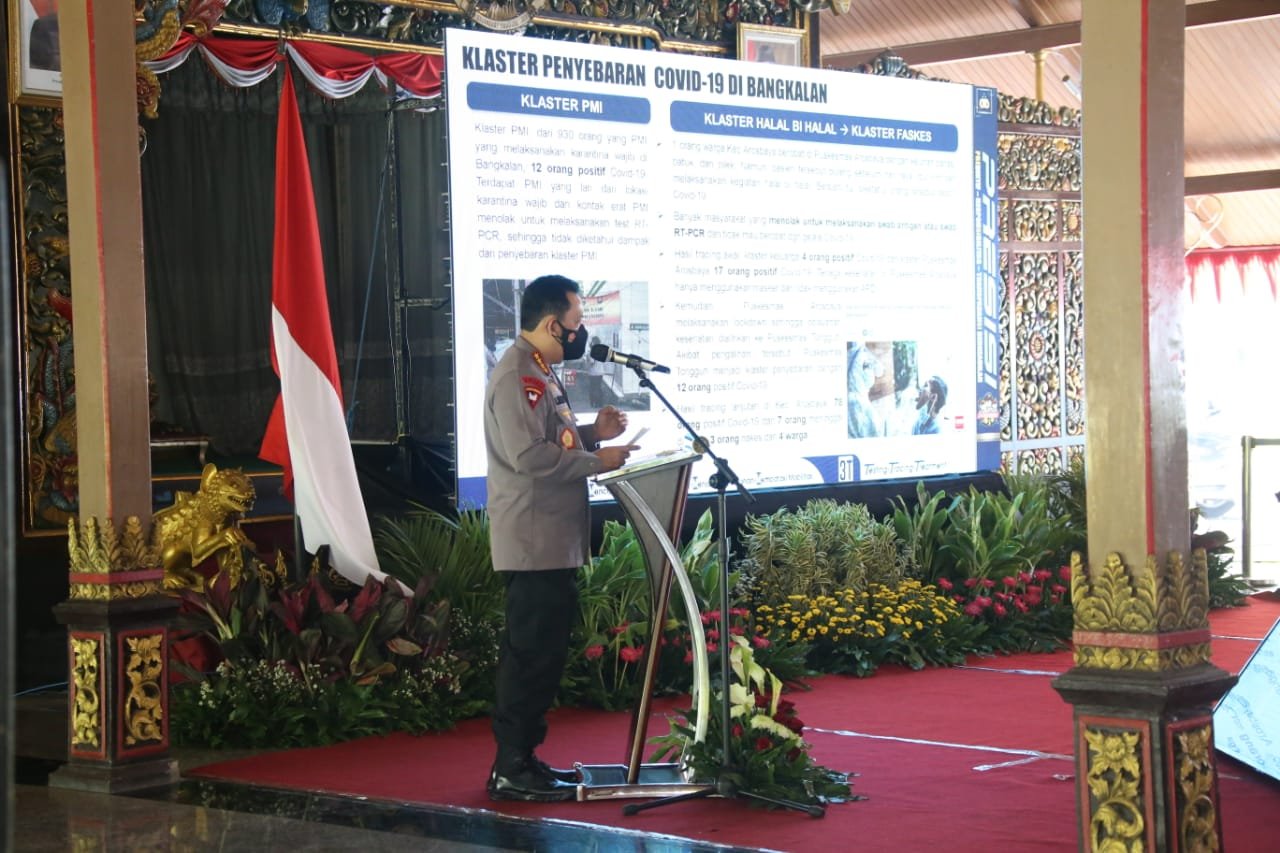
column 111, row 565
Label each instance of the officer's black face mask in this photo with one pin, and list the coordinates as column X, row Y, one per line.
column 574, row 343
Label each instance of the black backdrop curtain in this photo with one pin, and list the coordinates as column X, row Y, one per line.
column 208, row 195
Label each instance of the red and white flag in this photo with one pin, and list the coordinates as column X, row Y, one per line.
column 307, row 434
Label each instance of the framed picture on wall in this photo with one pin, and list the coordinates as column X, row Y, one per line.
column 779, row 45
column 35, row 59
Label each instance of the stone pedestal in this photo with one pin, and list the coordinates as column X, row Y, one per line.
column 1143, row 691
column 118, row 656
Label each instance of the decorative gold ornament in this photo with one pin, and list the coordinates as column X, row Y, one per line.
column 1115, row 790
column 144, row 705
column 1196, row 809
column 203, row 524
column 87, row 705
column 502, row 16
column 1152, row 620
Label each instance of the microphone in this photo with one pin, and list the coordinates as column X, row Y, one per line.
column 600, row 352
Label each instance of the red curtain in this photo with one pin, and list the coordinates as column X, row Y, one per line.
column 1218, row 274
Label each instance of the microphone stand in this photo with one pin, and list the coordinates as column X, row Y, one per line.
column 720, row 481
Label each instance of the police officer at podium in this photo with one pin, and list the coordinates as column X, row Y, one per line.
column 540, row 527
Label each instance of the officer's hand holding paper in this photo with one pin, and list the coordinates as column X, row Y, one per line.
column 615, row 456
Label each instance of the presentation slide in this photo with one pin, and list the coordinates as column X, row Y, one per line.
column 812, row 253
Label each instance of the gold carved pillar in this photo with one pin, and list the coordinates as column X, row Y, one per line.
column 116, row 615
column 1142, row 685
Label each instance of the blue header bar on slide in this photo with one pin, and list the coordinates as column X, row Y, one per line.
column 562, row 103
column 794, row 125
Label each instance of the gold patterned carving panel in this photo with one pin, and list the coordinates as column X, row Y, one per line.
column 1035, row 221
column 87, row 689
column 50, row 472
column 1002, row 208
column 1033, row 162
column 1072, row 221
column 1073, row 340
column 1195, row 804
column 144, row 706
column 1118, row 763
column 1036, row 345
column 1041, row 460
column 1006, row 353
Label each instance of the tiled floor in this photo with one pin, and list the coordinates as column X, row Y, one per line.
column 210, row 815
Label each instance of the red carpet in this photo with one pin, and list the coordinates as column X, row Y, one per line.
column 964, row 759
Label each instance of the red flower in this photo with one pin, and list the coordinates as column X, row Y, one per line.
column 1020, row 604
column 713, row 634
column 762, row 743
column 988, row 583
column 1009, row 580
column 943, row 583
column 688, row 657
column 982, row 601
column 1058, row 589
column 631, row 654
column 970, row 583
column 959, row 598
column 1034, row 595
column 593, row 652
column 1064, row 573
column 737, row 630
column 713, row 616
column 760, row 642
column 739, row 611
column 736, row 731
column 794, row 755
column 712, row 647
column 973, row 609
column 1025, row 577
column 618, row 629
column 1000, row 610
column 1043, row 574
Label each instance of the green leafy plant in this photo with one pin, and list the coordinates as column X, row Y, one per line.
column 767, row 752
column 1225, row 589
column 979, row 534
column 452, row 552
column 819, row 548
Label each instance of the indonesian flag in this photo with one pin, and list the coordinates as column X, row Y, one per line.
column 307, row 435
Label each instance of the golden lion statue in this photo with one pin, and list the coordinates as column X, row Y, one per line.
column 201, row 525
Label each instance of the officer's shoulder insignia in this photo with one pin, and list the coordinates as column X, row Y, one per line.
column 534, row 388
column 566, row 439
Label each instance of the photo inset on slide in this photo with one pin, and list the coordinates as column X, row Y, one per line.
column 616, row 314
column 890, row 393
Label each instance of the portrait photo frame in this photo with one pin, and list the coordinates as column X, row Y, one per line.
column 35, row 60
column 778, row 45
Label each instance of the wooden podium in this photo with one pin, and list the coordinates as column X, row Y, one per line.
column 652, row 493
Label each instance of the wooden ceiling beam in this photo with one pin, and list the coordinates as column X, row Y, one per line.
column 1233, row 182
column 1046, row 37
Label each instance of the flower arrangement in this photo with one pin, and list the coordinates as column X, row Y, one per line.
column 1025, row 611
column 855, row 631
column 767, row 753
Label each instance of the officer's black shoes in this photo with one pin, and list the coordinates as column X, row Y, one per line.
column 524, row 780
column 572, row 776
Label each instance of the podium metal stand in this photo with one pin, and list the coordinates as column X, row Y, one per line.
column 652, row 493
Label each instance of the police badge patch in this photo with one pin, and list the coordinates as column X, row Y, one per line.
column 566, row 439
column 533, row 390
